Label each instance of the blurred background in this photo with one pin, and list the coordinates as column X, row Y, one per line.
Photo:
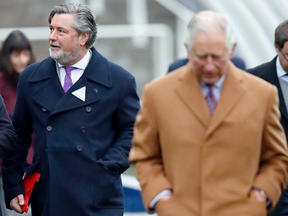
column 145, row 36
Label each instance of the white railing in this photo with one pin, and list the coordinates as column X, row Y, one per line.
column 161, row 34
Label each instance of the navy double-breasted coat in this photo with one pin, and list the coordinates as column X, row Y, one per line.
column 81, row 147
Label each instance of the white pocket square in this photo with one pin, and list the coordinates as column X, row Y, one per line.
column 80, row 93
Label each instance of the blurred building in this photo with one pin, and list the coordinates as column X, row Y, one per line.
column 145, row 36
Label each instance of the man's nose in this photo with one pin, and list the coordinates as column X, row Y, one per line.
column 209, row 65
column 52, row 36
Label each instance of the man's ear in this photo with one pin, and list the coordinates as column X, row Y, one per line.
column 276, row 48
column 231, row 54
column 83, row 38
column 187, row 50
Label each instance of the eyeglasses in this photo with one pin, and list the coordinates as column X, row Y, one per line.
column 285, row 56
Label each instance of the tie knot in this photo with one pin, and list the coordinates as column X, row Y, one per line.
column 210, row 86
column 69, row 69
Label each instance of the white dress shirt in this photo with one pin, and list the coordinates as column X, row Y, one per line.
column 216, row 88
column 77, row 73
column 280, row 72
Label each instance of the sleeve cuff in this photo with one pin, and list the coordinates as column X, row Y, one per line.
column 158, row 197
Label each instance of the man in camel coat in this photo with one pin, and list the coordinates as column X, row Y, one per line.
column 208, row 141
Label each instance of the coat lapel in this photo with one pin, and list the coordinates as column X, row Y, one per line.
column 189, row 91
column 70, row 101
column 231, row 93
column 49, row 92
column 270, row 75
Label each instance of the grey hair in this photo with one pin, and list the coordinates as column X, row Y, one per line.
column 84, row 22
column 209, row 22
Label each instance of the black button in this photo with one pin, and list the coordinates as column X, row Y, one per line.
column 79, row 148
column 88, row 109
column 83, row 129
column 46, row 150
column 44, row 110
column 49, row 128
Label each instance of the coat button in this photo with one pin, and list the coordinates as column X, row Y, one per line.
column 83, row 129
column 43, row 109
column 79, row 148
column 49, row 128
column 88, row 109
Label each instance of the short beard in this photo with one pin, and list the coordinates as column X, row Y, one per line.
column 63, row 57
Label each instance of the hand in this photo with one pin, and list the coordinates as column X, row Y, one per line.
column 258, row 195
column 17, row 203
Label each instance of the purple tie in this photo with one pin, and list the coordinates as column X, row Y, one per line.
column 68, row 81
column 211, row 99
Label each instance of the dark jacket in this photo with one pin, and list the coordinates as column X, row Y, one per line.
column 81, row 147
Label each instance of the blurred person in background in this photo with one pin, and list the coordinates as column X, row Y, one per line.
column 15, row 55
column 208, row 140
column 276, row 73
column 82, row 109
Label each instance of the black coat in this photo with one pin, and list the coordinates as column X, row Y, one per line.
column 268, row 72
column 81, row 147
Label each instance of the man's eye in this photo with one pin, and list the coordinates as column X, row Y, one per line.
column 202, row 57
column 216, row 57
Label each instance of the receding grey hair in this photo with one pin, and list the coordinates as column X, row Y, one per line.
column 84, row 21
column 209, row 22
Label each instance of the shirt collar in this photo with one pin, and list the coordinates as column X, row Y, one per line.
column 279, row 69
column 82, row 64
column 217, row 84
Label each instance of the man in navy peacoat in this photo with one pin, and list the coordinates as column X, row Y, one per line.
column 83, row 136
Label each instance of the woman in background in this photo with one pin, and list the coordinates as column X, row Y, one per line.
column 15, row 55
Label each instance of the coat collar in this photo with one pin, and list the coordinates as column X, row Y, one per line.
column 48, row 92
column 97, row 70
column 270, row 75
column 191, row 94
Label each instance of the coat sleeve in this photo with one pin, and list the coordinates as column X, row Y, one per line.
column 272, row 176
column 146, row 152
column 116, row 158
column 7, row 133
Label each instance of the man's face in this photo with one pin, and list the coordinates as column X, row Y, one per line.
column 64, row 40
column 209, row 56
column 283, row 56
